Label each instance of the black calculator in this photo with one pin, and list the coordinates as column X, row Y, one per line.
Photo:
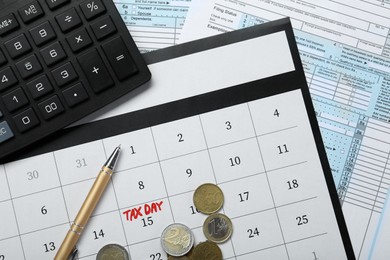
column 59, row 61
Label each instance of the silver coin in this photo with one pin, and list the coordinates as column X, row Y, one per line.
column 112, row 252
column 217, row 228
column 177, row 239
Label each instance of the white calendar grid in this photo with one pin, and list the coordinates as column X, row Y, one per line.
column 262, row 154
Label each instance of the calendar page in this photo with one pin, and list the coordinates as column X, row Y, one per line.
column 257, row 141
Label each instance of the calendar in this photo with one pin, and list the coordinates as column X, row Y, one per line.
column 256, row 142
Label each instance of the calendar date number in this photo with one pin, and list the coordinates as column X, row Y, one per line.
column 147, row 221
column 302, row 220
column 98, row 234
column 44, row 210
column 235, row 161
column 253, row 232
column 244, row 196
column 49, row 247
column 156, row 256
column 32, row 175
column 293, row 184
column 80, row 163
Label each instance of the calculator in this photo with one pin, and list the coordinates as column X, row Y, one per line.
column 60, row 60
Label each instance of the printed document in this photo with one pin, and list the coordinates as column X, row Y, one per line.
column 345, row 50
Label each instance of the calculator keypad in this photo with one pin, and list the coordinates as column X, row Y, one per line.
column 92, row 9
column 119, row 58
column 61, row 57
column 42, row 33
column 68, row 20
column 53, row 53
column 15, row 99
column 39, row 87
column 54, row 4
column 31, row 12
column 26, row 120
column 95, row 70
column 103, row 28
column 79, row 40
column 29, row 66
column 18, row 46
column 9, row 23
column 7, row 78
column 64, row 74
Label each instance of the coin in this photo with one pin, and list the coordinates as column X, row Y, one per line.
column 207, row 251
column 112, row 252
column 177, row 239
column 217, row 228
column 184, row 257
column 187, row 256
column 208, row 198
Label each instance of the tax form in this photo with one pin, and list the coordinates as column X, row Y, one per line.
column 380, row 248
column 345, row 50
column 153, row 24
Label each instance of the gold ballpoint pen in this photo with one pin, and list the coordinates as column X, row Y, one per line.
column 68, row 246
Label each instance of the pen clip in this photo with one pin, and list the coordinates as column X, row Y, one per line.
column 72, row 255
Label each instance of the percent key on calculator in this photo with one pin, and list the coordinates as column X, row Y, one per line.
column 61, row 60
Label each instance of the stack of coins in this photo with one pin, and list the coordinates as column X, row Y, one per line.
column 217, row 228
column 177, row 240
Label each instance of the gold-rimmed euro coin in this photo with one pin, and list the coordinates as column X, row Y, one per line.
column 207, row 251
column 217, row 228
column 177, row 239
column 187, row 256
column 112, row 252
column 208, row 198
column 184, row 257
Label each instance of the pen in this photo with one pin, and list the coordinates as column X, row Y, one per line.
column 68, row 246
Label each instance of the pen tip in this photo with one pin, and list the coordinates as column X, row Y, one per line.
column 113, row 158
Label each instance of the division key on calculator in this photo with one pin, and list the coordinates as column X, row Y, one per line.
column 60, row 60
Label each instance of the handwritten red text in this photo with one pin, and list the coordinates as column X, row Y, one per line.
column 147, row 209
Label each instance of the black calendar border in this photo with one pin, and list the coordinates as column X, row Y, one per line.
column 205, row 103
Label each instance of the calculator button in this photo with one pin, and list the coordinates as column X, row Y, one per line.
column 95, row 70
column 15, row 100
column 75, row 95
column 42, row 33
column 31, row 12
column 26, row 120
column 39, row 87
column 29, row 66
column 3, row 59
column 68, row 20
column 8, row 23
column 92, row 8
column 103, row 28
column 5, row 132
column 17, row 46
column 53, row 53
column 7, row 78
column 64, row 74
column 53, row 4
column 119, row 58
column 79, row 40
column 51, row 107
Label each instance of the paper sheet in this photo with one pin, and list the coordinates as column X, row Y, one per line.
column 380, row 249
column 345, row 50
column 154, row 24
column 253, row 139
